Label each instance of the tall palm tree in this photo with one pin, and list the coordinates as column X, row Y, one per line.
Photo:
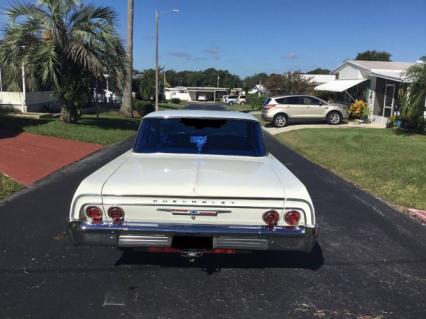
column 64, row 45
column 126, row 106
column 414, row 96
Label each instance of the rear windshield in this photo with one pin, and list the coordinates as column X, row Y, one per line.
column 266, row 101
column 200, row 136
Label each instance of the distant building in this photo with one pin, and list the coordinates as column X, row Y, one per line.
column 318, row 79
column 30, row 102
column 191, row 93
column 258, row 89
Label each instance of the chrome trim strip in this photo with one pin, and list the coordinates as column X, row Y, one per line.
column 229, row 236
column 195, row 196
column 194, row 212
column 144, row 240
column 199, row 205
column 195, row 229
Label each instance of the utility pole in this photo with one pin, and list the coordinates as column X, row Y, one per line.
column 157, row 15
column 157, row 66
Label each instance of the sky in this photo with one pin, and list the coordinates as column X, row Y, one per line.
column 247, row 37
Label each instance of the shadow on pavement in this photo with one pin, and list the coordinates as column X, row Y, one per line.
column 211, row 263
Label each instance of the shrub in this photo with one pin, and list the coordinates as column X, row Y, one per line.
column 144, row 107
column 175, row 100
column 392, row 121
column 256, row 101
column 358, row 109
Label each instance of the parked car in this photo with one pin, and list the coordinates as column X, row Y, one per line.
column 231, row 99
column 202, row 98
column 224, row 98
column 241, row 99
column 195, row 182
column 280, row 110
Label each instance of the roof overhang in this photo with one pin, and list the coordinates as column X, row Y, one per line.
column 338, row 85
column 394, row 75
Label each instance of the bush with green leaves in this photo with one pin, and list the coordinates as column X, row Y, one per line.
column 176, row 100
column 144, row 107
column 256, row 101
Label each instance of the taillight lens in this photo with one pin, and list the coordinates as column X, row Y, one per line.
column 271, row 218
column 292, row 217
column 94, row 213
column 116, row 214
column 269, row 106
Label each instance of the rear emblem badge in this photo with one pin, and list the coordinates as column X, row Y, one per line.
column 193, row 212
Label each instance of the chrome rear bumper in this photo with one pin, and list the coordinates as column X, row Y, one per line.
column 223, row 237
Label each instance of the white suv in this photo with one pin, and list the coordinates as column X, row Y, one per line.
column 231, row 99
column 279, row 110
column 241, row 99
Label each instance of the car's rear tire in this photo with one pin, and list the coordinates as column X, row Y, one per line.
column 280, row 120
column 230, row 103
column 334, row 118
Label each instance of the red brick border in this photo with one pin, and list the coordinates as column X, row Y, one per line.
column 27, row 158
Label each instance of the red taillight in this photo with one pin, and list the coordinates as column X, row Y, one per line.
column 269, row 106
column 94, row 213
column 116, row 213
column 271, row 218
column 292, row 217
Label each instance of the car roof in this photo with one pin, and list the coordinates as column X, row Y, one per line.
column 291, row 95
column 201, row 114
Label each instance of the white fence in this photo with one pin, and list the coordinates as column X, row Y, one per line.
column 35, row 101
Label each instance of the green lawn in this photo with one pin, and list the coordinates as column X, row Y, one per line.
column 388, row 163
column 110, row 128
column 240, row 108
column 8, row 186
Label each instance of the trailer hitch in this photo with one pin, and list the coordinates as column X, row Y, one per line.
column 192, row 254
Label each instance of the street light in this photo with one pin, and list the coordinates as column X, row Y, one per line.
column 157, row 16
column 107, row 93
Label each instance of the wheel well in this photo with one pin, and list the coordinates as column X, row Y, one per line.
column 334, row 111
column 281, row 113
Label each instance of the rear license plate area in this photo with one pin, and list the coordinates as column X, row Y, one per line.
column 192, row 242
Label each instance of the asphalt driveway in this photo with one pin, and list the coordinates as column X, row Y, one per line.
column 370, row 262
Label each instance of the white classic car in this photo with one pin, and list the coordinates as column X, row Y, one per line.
column 195, row 181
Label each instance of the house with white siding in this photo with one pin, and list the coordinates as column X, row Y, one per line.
column 375, row 82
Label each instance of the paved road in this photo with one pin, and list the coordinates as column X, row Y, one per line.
column 370, row 262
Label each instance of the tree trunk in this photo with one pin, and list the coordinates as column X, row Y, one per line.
column 69, row 114
column 126, row 106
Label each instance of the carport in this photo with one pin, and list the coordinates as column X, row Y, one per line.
column 340, row 86
column 212, row 93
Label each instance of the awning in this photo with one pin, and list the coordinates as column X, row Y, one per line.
column 338, row 85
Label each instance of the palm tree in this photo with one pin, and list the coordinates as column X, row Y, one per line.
column 126, row 106
column 63, row 45
column 414, row 96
